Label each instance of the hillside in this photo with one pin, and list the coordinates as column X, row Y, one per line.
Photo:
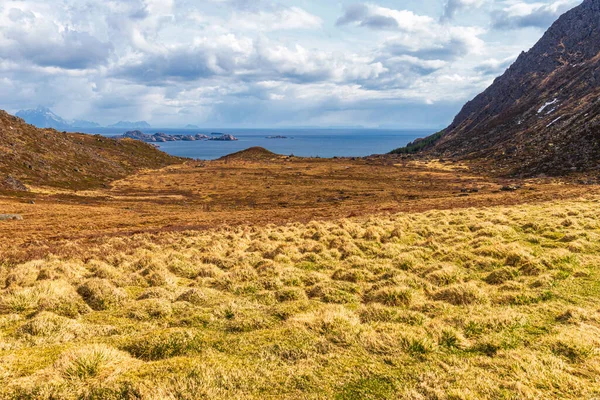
column 252, row 154
column 542, row 115
column 47, row 157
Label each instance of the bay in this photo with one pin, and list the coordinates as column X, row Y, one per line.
column 325, row 143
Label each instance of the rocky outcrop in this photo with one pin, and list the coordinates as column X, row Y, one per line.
column 11, row 183
column 160, row 137
column 226, row 138
column 543, row 114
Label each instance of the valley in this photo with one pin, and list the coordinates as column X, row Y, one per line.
column 265, row 276
column 462, row 266
column 256, row 187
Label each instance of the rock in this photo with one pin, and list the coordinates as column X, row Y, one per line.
column 12, row 183
column 10, row 217
column 224, row 138
column 160, row 137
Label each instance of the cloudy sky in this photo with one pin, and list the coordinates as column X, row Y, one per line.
column 261, row 63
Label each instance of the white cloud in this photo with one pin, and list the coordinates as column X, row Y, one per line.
column 420, row 36
column 281, row 18
column 453, row 6
column 521, row 14
column 247, row 61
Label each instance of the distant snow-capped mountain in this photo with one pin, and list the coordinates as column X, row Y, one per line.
column 43, row 118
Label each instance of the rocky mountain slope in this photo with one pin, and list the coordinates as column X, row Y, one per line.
column 47, row 157
column 542, row 116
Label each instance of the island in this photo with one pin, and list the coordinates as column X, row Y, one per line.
column 161, row 137
column 225, row 137
column 277, row 137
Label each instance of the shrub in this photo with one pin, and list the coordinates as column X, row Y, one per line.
column 339, row 325
column 500, row 276
column 419, row 144
column 164, row 344
column 290, row 294
column 394, row 296
column 195, row 296
column 97, row 361
column 50, row 325
column 156, row 293
column 417, row 345
column 150, row 309
column 444, row 276
column 334, row 292
column 351, row 275
column 461, row 294
column 100, row 294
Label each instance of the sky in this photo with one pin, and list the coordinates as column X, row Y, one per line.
column 260, row 63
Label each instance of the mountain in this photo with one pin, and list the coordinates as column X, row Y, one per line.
column 47, row 157
column 191, row 126
column 43, row 118
column 85, row 124
column 542, row 116
column 131, row 125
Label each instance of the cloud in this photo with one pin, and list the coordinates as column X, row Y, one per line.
column 38, row 40
column 443, row 44
column 205, row 57
column 239, row 58
column 419, row 36
column 453, row 6
column 260, row 62
column 381, row 18
column 275, row 18
column 522, row 15
column 495, row 67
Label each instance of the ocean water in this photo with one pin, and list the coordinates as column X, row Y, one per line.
column 325, row 143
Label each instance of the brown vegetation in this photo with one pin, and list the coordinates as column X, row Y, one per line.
column 46, row 157
column 242, row 191
column 468, row 303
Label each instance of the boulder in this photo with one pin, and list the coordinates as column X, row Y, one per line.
column 10, row 217
column 12, row 183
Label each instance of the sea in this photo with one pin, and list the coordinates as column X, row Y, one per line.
column 324, row 143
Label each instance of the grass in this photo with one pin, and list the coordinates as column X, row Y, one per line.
column 487, row 302
column 236, row 191
column 419, row 144
column 43, row 157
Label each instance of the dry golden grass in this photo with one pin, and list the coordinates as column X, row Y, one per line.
column 204, row 195
column 472, row 303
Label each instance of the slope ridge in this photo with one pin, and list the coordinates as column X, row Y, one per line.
column 542, row 115
column 47, row 157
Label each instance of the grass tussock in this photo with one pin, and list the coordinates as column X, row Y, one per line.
column 465, row 304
